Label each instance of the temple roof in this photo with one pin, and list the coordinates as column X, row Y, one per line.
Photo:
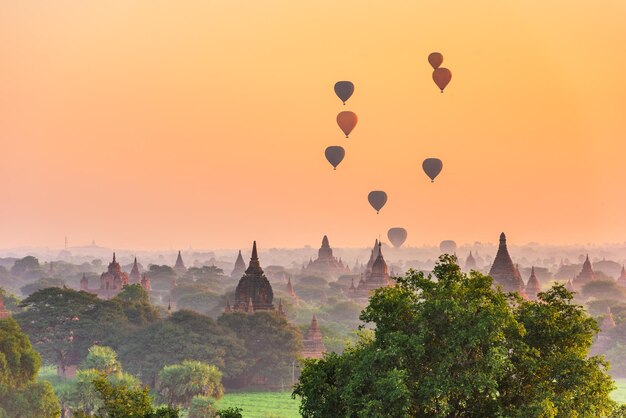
column 254, row 288
column 470, row 262
column 608, row 322
column 622, row 277
column 503, row 270
column 533, row 287
column 179, row 263
column 240, row 266
column 380, row 266
column 586, row 274
column 135, row 275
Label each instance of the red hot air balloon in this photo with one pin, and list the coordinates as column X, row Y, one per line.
column 441, row 77
column 335, row 155
column 397, row 236
column 377, row 199
column 344, row 90
column 435, row 59
column 347, row 121
column 432, row 167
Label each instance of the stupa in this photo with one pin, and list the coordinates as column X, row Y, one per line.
column 254, row 292
column 503, row 270
column 313, row 344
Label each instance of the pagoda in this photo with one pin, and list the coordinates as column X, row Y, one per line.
column 326, row 265
column 113, row 280
column 470, row 263
column 4, row 313
column 313, row 344
column 135, row 276
column 179, row 266
column 377, row 277
column 503, row 271
column 145, row 282
column 533, row 287
column 373, row 255
column 240, row 267
column 585, row 276
column 254, row 292
column 289, row 288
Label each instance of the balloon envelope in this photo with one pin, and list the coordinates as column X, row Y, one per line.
column 347, row 121
column 432, row 167
column 377, row 199
column 441, row 77
column 335, row 155
column 435, row 59
column 397, row 236
column 448, row 246
column 344, row 90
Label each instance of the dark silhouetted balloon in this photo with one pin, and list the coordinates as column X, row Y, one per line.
column 432, row 167
column 377, row 199
column 344, row 90
column 448, row 247
column 441, row 77
column 435, row 59
column 335, row 155
column 397, row 236
column 347, row 121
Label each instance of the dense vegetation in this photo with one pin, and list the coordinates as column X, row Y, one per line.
column 451, row 345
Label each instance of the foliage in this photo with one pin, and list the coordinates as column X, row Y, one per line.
column 603, row 289
column 202, row 407
column 179, row 383
column 271, row 343
column 102, row 359
column 457, row 347
column 42, row 283
column 232, row 412
column 20, row 395
column 133, row 293
column 26, row 264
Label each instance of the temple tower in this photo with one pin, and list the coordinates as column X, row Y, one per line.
column 254, row 291
column 503, row 270
column 533, row 287
column 135, row 276
column 585, row 276
column 180, row 266
column 313, row 343
column 470, row 262
column 240, row 267
column 621, row 281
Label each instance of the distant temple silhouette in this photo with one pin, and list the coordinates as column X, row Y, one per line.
column 313, row 344
column 585, row 276
column 114, row 279
column 376, row 276
column 326, row 265
column 470, row 263
column 503, row 271
column 240, row 267
column 179, row 267
column 533, row 287
column 254, row 292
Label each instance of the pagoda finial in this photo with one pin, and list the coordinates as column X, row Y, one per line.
column 114, row 256
column 502, row 239
column 254, row 256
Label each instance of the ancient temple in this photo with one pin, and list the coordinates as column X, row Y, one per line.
column 470, row 263
column 585, row 276
column 621, row 280
column 373, row 255
column 503, row 271
column 289, row 288
column 145, row 282
column 135, row 276
column 179, row 266
column 254, row 292
column 113, row 280
column 4, row 313
column 240, row 267
column 533, row 287
column 326, row 265
column 313, row 344
column 376, row 277
column 603, row 339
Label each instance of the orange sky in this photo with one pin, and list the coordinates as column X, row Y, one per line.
column 162, row 124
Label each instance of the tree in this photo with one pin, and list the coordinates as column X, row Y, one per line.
column 202, row 407
column 20, row 395
column 232, row 412
column 271, row 343
column 455, row 346
column 24, row 265
column 603, row 289
column 102, row 359
column 179, row 383
column 42, row 283
column 133, row 293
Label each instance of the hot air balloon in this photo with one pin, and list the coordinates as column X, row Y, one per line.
column 448, row 247
column 432, row 167
column 335, row 155
column 435, row 59
column 347, row 121
column 377, row 199
column 344, row 90
column 441, row 77
column 397, row 236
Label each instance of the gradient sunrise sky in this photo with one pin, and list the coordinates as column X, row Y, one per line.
column 167, row 124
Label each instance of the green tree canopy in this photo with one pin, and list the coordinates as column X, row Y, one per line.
column 452, row 346
column 179, row 383
column 102, row 359
column 42, row 283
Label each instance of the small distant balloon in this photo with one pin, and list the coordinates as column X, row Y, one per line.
column 432, row 167
column 344, row 90
column 377, row 199
column 335, row 155
column 441, row 77
column 448, row 247
column 435, row 59
column 347, row 121
column 397, row 236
